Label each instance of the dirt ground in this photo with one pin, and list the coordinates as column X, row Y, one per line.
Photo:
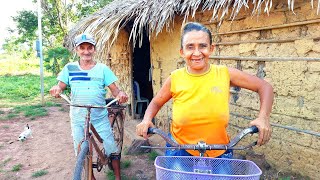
column 51, row 149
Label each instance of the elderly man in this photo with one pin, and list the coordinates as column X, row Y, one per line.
column 87, row 79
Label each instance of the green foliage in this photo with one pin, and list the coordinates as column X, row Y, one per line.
column 87, row 7
column 57, row 17
column 55, row 20
column 39, row 173
column 125, row 164
column 16, row 168
column 110, row 176
column 56, row 58
column 27, row 23
column 152, row 155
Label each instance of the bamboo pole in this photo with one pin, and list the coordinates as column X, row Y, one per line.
column 267, row 59
column 272, row 27
column 264, row 41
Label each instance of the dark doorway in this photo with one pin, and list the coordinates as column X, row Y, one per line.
column 142, row 72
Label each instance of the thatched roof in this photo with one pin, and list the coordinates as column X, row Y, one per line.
column 155, row 15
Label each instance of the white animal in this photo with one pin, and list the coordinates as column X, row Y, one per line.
column 25, row 134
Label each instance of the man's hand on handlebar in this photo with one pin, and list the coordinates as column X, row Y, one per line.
column 55, row 91
column 142, row 128
column 122, row 97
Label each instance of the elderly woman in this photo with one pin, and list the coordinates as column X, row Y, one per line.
column 200, row 93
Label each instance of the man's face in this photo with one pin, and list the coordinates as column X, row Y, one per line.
column 196, row 50
column 85, row 51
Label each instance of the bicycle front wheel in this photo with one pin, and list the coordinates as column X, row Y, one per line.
column 117, row 129
column 83, row 167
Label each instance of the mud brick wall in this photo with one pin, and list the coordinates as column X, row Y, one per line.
column 296, row 82
column 119, row 60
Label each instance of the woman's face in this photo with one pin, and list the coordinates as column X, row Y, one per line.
column 85, row 51
column 196, row 50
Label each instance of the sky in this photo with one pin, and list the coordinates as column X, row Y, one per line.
column 10, row 9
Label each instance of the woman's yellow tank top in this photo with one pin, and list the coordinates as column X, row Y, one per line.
column 200, row 110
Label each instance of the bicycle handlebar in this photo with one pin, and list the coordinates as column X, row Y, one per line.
column 65, row 97
column 202, row 146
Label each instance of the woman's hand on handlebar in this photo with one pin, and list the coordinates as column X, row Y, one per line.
column 264, row 127
column 142, row 128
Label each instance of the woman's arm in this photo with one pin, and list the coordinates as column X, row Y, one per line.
column 265, row 91
column 163, row 96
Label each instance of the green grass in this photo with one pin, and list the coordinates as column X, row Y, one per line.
column 2, row 164
column 16, row 168
column 39, row 173
column 29, row 111
column 13, row 65
column 20, row 81
column 110, row 176
column 23, row 89
column 125, row 164
column 20, row 88
column 152, row 155
column 5, row 127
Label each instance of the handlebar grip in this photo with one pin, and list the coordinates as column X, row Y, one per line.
column 151, row 130
column 254, row 129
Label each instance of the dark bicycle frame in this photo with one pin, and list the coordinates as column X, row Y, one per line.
column 202, row 147
column 90, row 133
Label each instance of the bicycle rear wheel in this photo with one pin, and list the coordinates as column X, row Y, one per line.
column 83, row 167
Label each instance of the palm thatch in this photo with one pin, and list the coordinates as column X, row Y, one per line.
column 154, row 15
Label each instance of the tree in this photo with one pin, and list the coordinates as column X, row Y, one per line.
column 57, row 17
column 56, row 58
column 24, row 35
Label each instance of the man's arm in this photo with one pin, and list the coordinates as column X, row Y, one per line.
column 120, row 95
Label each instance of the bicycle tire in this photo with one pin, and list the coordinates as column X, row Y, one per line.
column 117, row 129
column 82, row 170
